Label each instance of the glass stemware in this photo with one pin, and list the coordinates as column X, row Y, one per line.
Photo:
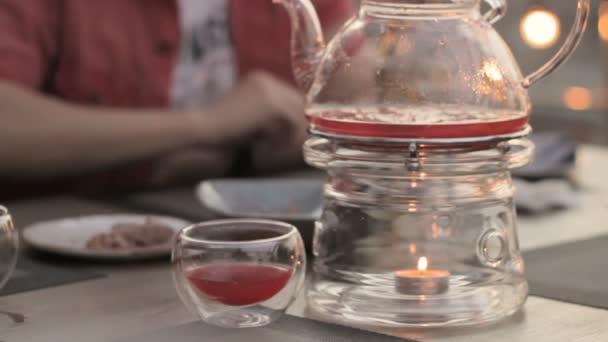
column 9, row 245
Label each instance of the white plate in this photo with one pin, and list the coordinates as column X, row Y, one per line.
column 69, row 236
column 279, row 199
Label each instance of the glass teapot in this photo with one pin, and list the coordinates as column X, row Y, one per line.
column 416, row 69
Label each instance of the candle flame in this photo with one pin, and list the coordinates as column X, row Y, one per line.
column 423, row 264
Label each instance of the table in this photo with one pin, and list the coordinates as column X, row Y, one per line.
column 140, row 298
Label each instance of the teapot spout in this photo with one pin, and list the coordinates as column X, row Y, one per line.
column 307, row 42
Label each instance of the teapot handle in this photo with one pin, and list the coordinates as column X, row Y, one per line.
column 574, row 38
column 498, row 9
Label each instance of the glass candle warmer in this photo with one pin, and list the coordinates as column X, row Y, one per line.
column 418, row 235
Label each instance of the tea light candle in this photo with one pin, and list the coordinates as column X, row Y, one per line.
column 422, row 281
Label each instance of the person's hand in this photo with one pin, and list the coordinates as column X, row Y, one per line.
column 262, row 109
column 267, row 156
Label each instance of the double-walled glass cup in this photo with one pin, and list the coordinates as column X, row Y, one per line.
column 239, row 273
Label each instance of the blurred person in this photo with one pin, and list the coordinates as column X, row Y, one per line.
column 126, row 94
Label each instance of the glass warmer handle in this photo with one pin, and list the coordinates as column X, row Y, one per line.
column 574, row 38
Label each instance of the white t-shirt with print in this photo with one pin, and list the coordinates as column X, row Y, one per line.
column 206, row 66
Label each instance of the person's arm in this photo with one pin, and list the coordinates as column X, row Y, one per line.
column 42, row 138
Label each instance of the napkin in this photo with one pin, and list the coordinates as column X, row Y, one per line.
column 545, row 183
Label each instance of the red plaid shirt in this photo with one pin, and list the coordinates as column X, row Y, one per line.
column 122, row 52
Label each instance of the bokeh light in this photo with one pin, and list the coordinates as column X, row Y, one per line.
column 540, row 28
column 578, row 98
column 602, row 25
column 491, row 71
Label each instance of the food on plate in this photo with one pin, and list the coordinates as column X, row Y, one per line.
column 125, row 235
